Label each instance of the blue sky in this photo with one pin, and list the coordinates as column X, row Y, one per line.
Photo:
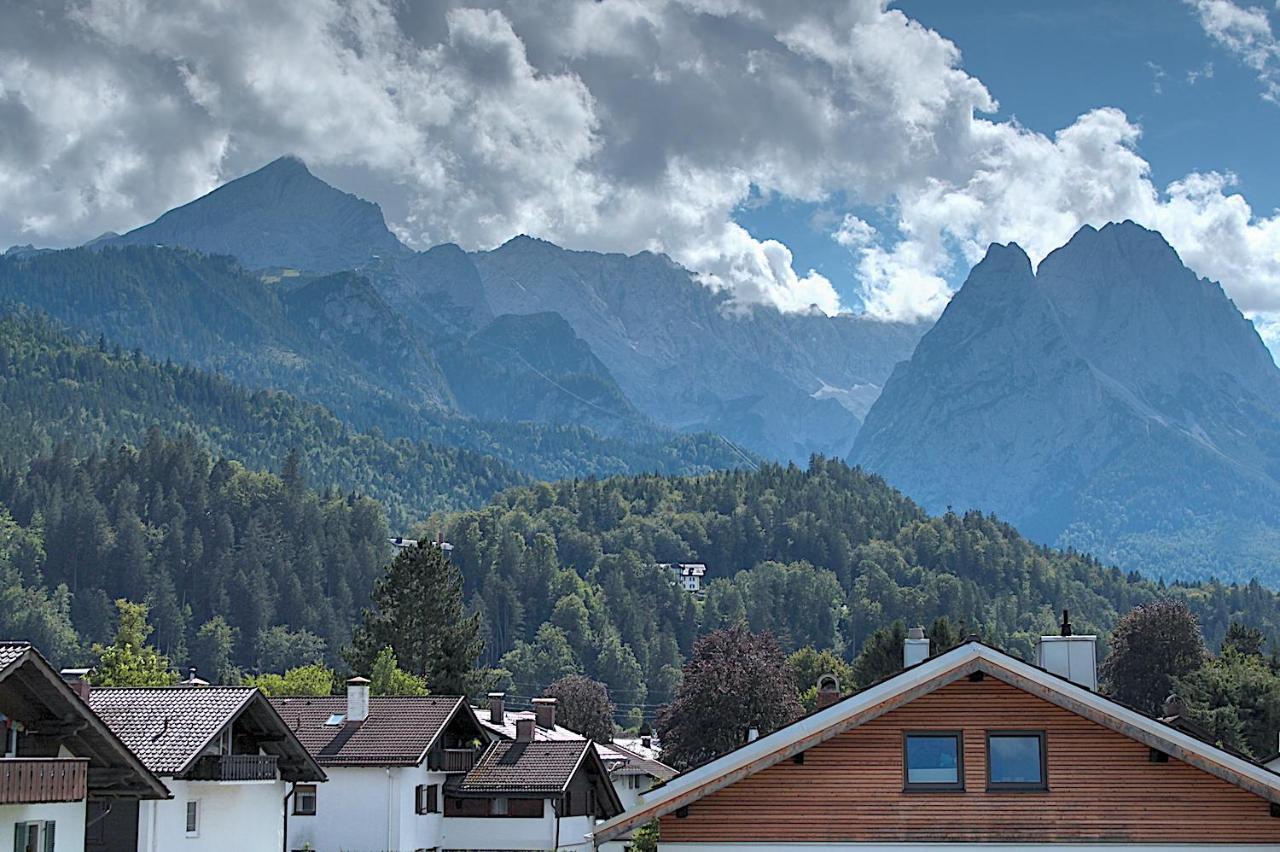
column 1048, row 63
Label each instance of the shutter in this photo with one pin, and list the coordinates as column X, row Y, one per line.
column 19, row 838
column 432, row 806
column 48, row 836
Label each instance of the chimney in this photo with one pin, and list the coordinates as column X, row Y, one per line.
column 524, row 730
column 544, row 710
column 357, row 699
column 497, row 707
column 1069, row 655
column 646, row 741
column 915, row 648
column 78, row 680
column 753, row 734
column 828, row 690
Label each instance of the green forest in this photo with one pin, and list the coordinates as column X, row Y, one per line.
column 565, row 578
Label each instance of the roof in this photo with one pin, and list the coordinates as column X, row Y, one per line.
column 32, row 690
column 921, row 679
column 541, row 766
column 636, row 764
column 398, row 731
column 168, row 727
column 613, row 755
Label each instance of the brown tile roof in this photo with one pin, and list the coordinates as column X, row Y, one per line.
column 613, row 755
column 541, row 766
column 167, row 727
column 398, row 731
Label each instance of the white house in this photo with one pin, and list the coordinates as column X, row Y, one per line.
column 631, row 772
column 56, row 758
column 388, row 760
column 688, row 574
column 530, row 794
column 230, row 761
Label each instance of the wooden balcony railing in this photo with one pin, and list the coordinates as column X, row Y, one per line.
column 452, row 760
column 235, row 767
column 34, row 780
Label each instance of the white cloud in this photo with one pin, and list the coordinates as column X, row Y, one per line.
column 1246, row 32
column 620, row 126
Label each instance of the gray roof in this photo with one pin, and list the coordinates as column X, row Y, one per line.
column 11, row 651
column 167, row 727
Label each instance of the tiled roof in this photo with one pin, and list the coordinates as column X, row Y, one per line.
column 613, row 756
column 541, row 766
column 11, row 651
column 166, row 727
column 398, row 731
column 636, row 764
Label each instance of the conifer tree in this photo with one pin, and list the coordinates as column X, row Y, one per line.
column 418, row 612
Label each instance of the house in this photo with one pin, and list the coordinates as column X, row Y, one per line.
column 388, row 760
column 970, row 748
column 688, row 574
column 58, row 760
column 530, row 794
column 230, row 761
column 630, row 772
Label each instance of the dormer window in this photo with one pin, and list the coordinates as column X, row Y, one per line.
column 933, row 761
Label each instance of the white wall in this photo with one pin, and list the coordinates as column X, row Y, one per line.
column 234, row 817
column 967, row 847
column 68, row 832
column 629, row 795
column 355, row 807
column 517, row 833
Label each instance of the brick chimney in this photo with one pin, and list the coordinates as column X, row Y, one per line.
column 828, row 690
column 78, row 680
column 357, row 699
column 1069, row 655
column 915, row 648
column 544, row 710
column 524, row 730
column 497, row 707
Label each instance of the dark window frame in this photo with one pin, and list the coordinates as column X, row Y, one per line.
column 525, row 803
column 928, row 787
column 1041, row 786
column 298, row 792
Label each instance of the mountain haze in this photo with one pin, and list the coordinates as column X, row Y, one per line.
column 1110, row 400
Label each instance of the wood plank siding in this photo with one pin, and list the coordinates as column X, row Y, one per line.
column 1103, row 787
column 32, row 780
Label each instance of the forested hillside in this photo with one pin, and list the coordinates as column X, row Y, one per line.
column 288, row 568
column 565, row 577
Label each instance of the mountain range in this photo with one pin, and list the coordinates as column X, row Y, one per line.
column 1110, row 400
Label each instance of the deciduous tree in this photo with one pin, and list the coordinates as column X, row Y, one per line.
column 583, row 705
column 1151, row 646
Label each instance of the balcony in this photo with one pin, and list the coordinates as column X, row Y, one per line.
column 452, row 760
column 235, row 767
column 40, row 780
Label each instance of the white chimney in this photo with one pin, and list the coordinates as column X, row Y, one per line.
column 915, row 648
column 753, row 734
column 1070, row 656
column 357, row 699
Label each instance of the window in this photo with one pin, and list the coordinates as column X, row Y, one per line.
column 304, row 800
column 524, row 807
column 425, row 799
column 1016, row 760
column 459, row 807
column 934, row 761
column 33, row 837
column 193, row 818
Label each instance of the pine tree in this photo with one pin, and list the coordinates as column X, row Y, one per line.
column 418, row 612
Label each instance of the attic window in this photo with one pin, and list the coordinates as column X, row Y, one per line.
column 933, row 761
column 335, row 719
column 1016, row 760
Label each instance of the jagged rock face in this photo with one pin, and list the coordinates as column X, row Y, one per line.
column 279, row 216
column 1105, row 400
column 783, row 385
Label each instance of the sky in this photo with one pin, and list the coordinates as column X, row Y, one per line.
column 832, row 155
